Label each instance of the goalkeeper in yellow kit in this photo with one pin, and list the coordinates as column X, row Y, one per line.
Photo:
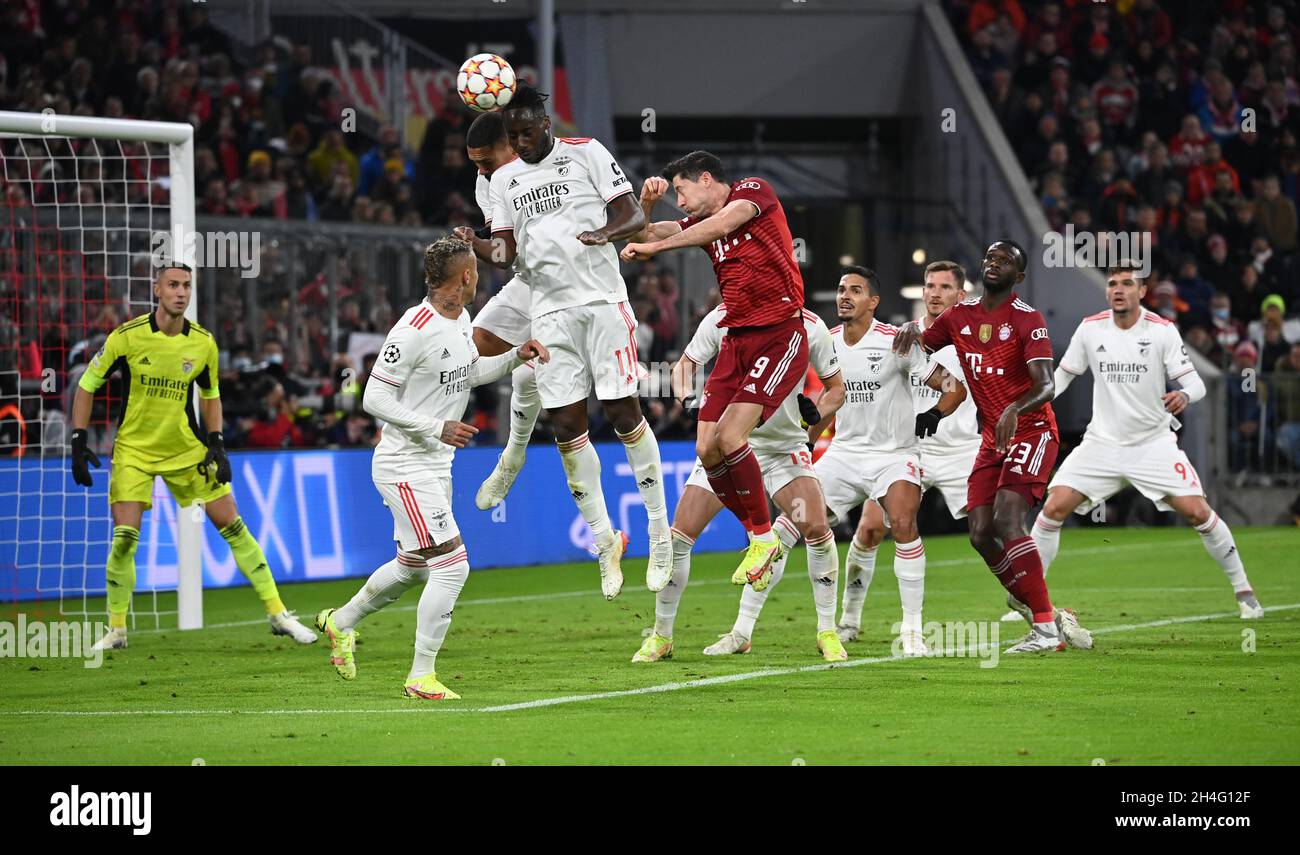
column 163, row 357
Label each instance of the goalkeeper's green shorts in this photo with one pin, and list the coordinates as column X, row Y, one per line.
column 129, row 483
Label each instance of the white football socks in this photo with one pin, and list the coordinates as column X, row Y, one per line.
column 1047, row 537
column 525, row 406
column 582, row 467
column 447, row 575
column 824, row 571
column 643, row 454
column 859, row 567
column 909, row 567
column 667, row 600
column 1217, row 538
column 382, row 589
column 751, row 601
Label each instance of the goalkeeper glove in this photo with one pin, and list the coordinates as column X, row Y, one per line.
column 216, row 458
column 691, row 407
column 808, row 412
column 81, row 454
column 927, row 423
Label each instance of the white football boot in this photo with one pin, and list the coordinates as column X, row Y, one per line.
column 1067, row 625
column 1038, row 642
column 726, row 645
column 114, row 639
column 286, row 623
column 610, row 558
column 848, row 632
column 496, row 486
column 913, row 644
column 659, row 569
column 1249, row 606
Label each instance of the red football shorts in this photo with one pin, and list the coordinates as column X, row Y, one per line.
column 1024, row 468
column 757, row 365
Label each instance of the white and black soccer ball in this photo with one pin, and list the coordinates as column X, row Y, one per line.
column 486, row 82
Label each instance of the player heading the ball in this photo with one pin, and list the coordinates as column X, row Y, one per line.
column 742, row 226
column 555, row 213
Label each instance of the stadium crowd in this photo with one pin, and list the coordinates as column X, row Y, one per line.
column 1178, row 121
column 268, row 145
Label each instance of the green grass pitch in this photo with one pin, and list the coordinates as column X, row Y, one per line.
column 1171, row 680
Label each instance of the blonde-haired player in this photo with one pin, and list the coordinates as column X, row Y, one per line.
column 420, row 387
column 1133, row 354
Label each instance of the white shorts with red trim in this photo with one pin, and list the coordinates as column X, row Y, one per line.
column 849, row 478
column 1099, row 470
column 778, row 470
column 592, row 347
column 508, row 314
column 421, row 512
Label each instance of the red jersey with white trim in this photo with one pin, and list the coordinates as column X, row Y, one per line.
column 878, row 414
column 781, row 432
column 1130, row 369
column 995, row 349
column 760, row 280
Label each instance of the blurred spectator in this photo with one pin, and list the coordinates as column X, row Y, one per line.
column 273, row 427
column 1243, row 409
column 1284, row 396
column 1167, row 302
column 1195, row 292
column 1227, row 331
column 331, row 150
column 1277, row 216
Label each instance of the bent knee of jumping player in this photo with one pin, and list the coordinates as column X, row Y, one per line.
column 1061, row 501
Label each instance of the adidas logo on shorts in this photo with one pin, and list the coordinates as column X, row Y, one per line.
column 749, row 387
column 1016, row 469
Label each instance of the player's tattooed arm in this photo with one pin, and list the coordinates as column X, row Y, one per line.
column 624, row 219
column 1041, row 392
column 651, row 192
column 498, row 250
column 732, row 216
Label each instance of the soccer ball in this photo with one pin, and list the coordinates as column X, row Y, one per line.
column 486, row 82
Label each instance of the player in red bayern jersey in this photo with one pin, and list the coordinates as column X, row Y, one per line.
column 764, row 354
column 1004, row 348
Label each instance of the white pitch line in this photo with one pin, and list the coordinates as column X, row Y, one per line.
column 597, row 696
column 948, row 562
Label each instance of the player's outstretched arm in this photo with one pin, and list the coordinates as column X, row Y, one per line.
column 734, row 215
column 624, row 218
column 1041, row 392
column 651, row 192
column 908, row 335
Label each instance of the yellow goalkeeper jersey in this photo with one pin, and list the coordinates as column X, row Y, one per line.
column 157, row 429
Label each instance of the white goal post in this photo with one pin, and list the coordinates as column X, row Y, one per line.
column 35, row 131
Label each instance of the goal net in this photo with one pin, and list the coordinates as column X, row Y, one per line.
column 81, row 201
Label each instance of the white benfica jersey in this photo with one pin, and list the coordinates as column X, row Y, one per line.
column 1130, row 371
column 959, row 432
column 427, row 358
column 781, row 433
column 547, row 205
column 878, row 413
